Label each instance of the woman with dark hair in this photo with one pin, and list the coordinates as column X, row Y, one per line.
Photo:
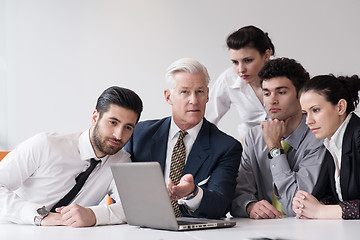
column 329, row 103
column 249, row 49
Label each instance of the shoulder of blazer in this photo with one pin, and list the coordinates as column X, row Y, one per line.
column 215, row 135
column 352, row 133
column 149, row 124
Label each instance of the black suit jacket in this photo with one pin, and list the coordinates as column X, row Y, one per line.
column 214, row 154
column 350, row 166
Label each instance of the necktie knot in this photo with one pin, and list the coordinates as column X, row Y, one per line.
column 182, row 134
column 94, row 162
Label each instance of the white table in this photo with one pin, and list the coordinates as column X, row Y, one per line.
column 287, row 228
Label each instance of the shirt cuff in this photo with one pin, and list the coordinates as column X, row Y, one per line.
column 194, row 203
column 29, row 213
column 109, row 214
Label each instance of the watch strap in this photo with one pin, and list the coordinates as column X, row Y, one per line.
column 193, row 194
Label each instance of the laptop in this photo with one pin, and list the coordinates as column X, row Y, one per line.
column 146, row 202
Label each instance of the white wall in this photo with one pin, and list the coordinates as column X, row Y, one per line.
column 57, row 56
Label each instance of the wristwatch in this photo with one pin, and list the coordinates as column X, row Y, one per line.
column 274, row 152
column 192, row 195
column 42, row 213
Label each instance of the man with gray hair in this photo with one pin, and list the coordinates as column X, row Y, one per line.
column 199, row 161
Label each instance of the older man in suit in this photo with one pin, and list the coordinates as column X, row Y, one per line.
column 202, row 182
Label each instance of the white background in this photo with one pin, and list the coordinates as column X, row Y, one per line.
column 57, row 56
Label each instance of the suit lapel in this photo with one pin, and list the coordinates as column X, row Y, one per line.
column 199, row 150
column 159, row 143
column 346, row 158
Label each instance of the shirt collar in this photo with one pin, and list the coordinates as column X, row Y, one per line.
column 193, row 132
column 296, row 137
column 337, row 139
column 238, row 83
column 86, row 150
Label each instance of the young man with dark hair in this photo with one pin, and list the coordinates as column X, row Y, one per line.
column 58, row 179
column 281, row 156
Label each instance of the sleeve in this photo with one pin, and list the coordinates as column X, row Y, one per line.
column 15, row 169
column 219, row 100
column 350, row 209
column 194, row 203
column 219, row 191
column 110, row 214
column 288, row 181
column 246, row 189
column 217, row 179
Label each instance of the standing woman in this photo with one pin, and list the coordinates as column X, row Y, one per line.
column 329, row 103
column 249, row 49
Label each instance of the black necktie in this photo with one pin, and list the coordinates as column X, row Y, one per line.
column 80, row 180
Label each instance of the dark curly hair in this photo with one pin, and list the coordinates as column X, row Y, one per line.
column 285, row 67
column 336, row 88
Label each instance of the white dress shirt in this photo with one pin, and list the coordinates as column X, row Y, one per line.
column 42, row 170
column 230, row 90
column 189, row 140
column 334, row 146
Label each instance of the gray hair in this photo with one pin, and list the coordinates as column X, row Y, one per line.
column 185, row 65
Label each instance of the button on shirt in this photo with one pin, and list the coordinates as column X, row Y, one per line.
column 334, row 146
column 189, row 140
column 230, row 90
column 42, row 170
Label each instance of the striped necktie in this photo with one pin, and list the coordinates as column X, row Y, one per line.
column 177, row 167
column 285, row 146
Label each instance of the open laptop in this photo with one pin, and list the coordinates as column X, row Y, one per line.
column 146, row 202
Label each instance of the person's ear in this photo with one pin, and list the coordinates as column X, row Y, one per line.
column 267, row 55
column 342, row 105
column 95, row 117
column 167, row 95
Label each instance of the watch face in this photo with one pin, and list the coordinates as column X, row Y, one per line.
column 42, row 211
column 275, row 152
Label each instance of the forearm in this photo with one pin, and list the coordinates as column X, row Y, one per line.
column 330, row 212
column 109, row 214
column 288, row 181
column 213, row 205
column 15, row 209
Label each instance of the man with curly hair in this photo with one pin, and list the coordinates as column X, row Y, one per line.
column 281, row 156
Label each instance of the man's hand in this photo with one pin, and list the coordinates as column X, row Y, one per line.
column 183, row 189
column 77, row 216
column 262, row 210
column 52, row 219
column 273, row 131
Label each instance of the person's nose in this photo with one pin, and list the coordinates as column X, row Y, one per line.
column 118, row 133
column 241, row 68
column 193, row 99
column 273, row 99
column 309, row 120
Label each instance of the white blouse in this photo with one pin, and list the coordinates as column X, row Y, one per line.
column 229, row 89
column 334, row 146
